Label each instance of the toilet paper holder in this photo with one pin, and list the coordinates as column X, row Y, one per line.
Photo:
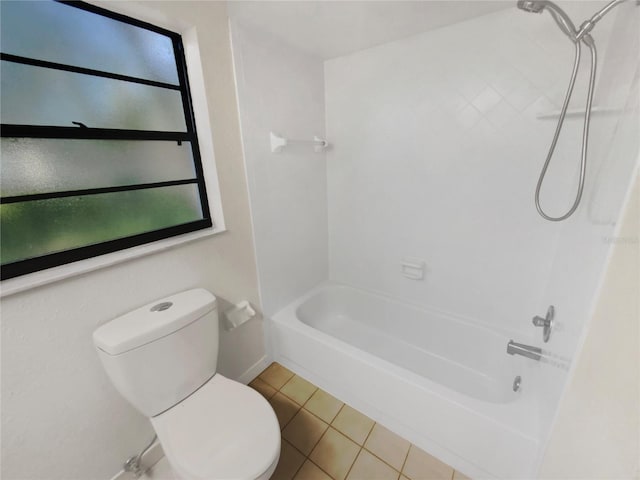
column 238, row 314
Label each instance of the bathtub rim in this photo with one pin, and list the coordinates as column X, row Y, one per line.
column 491, row 411
column 527, row 445
column 463, row 319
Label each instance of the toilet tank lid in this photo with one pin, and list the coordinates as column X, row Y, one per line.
column 153, row 321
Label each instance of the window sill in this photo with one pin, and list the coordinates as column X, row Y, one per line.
column 51, row 275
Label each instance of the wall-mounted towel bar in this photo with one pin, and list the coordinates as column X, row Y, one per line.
column 278, row 143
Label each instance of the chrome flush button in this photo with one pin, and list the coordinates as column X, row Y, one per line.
column 160, row 307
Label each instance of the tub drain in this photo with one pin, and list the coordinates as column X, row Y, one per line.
column 516, row 383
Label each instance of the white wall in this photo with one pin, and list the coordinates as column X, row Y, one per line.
column 596, row 433
column 437, row 152
column 437, row 148
column 281, row 89
column 61, row 418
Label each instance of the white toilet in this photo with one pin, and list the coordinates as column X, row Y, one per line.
column 162, row 358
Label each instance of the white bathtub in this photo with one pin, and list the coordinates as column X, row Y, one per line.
column 443, row 383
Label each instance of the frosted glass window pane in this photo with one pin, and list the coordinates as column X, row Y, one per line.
column 43, row 96
column 38, row 165
column 32, row 229
column 63, row 34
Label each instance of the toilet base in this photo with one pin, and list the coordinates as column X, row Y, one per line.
column 162, row 471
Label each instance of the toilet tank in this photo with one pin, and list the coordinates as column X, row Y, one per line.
column 159, row 354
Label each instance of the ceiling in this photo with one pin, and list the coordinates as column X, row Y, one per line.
column 330, row 29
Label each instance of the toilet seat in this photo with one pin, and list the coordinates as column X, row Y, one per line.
column 225, row 430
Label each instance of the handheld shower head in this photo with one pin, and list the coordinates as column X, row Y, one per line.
column 533, row 6
column 559, row 15
column 578, row 37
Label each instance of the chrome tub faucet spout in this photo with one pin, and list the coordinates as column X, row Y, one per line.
column 534, row 353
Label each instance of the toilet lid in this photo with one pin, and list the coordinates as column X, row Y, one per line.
column 225, row 430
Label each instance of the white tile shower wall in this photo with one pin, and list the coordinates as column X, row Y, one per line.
column 604, row 392
column 281, row 89
column 437, row 152
column 585, row 242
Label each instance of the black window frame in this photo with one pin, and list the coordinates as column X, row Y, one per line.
column 30, row 265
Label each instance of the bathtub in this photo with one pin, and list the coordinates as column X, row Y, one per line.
column 444, row 383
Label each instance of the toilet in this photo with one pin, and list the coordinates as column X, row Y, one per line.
column 162, row 358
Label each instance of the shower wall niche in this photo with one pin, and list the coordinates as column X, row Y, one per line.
column 437, row 141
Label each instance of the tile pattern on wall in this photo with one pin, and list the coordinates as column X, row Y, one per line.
column 438, row 147
column 325, row 439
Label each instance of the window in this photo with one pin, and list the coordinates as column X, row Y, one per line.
column 98, row 141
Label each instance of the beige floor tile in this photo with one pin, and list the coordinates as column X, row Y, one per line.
column 388, row 446
column 304, row 431
column 368, row 467
column 422, row 466
column 263, row 388
column 458, row 476
column 309, row 471
column 284, row 407
column 289, row 463
column 298, row 389
column 353, row 424
column 402, row 477
column 335, row 454
column 276, row 375
column 324, row 405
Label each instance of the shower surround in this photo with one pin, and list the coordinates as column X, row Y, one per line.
column 436, row 144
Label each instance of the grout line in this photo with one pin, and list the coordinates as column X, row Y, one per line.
column 304, row 457
column 336, row 416
column 322, row 469
column 278, row 391
column 369, row 434
column 292, row 416
column 267, row 384
column 305, row 402
column 353, row 463
column 313, row 414
column 312, row 394
column 353, row 439
column 272, row 386
column 330, row 425
column 321, row 436
column 289, row 421
column 347, row 435
column 299, row 468
column 405, row 460
column 382, row 460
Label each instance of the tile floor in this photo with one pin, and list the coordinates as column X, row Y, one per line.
column 325, row 439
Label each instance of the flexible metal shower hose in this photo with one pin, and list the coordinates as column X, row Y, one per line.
column 585, row 130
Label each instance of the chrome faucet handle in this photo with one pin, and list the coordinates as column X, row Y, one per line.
column 546, row 323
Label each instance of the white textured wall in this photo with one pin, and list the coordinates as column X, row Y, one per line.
column 597, row 431
column 61, row 418
column 437, row 152
column 281, row 89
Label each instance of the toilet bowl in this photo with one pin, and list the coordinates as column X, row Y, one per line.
column 162, row 358
column 225, row 430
